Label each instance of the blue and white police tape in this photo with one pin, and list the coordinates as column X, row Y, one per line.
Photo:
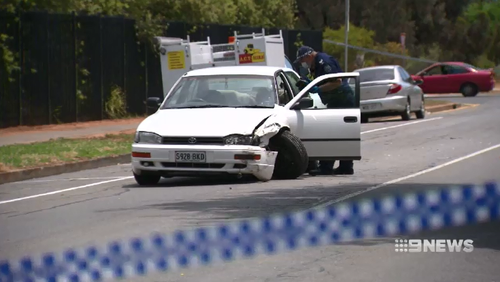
column 395, row 215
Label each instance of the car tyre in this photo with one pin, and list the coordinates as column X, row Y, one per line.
column 144, row 180
column 292, row 160
column 364, row 118
column 421, row 113
column 469, row 90
column 406, row 115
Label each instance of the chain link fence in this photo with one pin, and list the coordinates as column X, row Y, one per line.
column 359, row 57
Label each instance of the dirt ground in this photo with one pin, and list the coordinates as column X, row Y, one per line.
column 70, row 126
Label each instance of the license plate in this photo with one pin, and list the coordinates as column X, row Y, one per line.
column 190, row 157
column 369, row 107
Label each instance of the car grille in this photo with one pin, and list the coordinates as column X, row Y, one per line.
column 193, row 165
column 192, row 140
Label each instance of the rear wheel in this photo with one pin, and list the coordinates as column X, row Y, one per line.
column 406, row 115
column 292, row 160
column 147, row 179
column 421, row 113
column 469, row 90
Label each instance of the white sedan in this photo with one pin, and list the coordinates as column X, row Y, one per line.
column 242, row 120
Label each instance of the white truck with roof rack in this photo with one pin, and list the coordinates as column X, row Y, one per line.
column 240, row 114
column 179, row 56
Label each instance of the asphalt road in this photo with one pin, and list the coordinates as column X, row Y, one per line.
column 104, row 204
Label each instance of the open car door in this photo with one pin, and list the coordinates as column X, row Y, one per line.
column 328, row 134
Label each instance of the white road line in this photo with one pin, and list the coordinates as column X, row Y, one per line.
column 397, row 180
column 129, row 177
column 74, row 179
column 64, row 190
column 400, row 125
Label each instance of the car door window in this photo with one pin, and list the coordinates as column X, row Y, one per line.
column 284, row 92
column 456, row 70
column 293, row 79
column 435, row 71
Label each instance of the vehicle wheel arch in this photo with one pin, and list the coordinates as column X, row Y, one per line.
column 474, row 85
column 292, row 160
column 284, row 128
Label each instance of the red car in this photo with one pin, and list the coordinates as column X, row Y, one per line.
column 455, row 77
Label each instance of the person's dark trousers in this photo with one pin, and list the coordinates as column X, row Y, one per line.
column 345, row 166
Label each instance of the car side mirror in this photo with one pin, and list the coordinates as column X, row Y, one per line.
column 154, row 102
column 304, row 103
column 418, row 81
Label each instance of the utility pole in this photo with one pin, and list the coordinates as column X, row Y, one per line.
column 346, row 35
column 403, row 47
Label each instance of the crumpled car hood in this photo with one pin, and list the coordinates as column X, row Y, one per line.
column 206, row 122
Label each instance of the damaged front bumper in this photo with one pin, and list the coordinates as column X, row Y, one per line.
column 198, row 160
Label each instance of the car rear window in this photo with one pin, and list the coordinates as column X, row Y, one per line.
column 471, row 67
column 376, row 74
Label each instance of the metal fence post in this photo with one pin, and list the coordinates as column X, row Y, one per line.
column 146, row 76
column 21, row 65
column 124, row 62
column 49, row 103
column 75, row 58
column 101, row 67
column 346, row 35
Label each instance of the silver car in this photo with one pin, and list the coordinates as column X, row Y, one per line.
column 389, row 90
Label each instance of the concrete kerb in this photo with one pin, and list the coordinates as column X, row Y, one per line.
column 431, row 109
column 444, row 107
column 26, row 174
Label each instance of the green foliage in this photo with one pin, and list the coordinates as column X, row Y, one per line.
column 298, row 42
column 490, row 11
column 483, row 62
column 363, row 37
column 358, row 36
column 116, row 105
column 9, row 58
column 265, row 13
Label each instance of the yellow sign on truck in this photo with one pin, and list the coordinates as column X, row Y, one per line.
column 176, row 60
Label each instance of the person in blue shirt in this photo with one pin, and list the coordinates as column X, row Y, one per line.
column 334, row 94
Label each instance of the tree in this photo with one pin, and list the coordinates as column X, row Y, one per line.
column 358, row 36
column 489, row 13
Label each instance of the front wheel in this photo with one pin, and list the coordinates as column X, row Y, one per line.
column 292, row 160
column 145, row 180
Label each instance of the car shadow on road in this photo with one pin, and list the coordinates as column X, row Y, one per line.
column 196, row 181
column 209, row 181
column 235, row 205
column 387, row 121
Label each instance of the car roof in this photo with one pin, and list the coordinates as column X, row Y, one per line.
column 236, row 70
column 378, row 67
column 453, row 63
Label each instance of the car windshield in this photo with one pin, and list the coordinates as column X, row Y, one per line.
column 288, row 64
column 216, row 91
column 376, row 74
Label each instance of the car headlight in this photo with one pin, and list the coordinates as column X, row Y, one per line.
column 147, row 137
column 238, row 139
